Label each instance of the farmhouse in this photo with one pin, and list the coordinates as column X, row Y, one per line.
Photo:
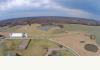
column 18, row 35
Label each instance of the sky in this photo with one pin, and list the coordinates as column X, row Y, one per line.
column 68, row 8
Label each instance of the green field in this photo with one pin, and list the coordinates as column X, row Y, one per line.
column 9, row 45
column 93, row 30
column 38, row 47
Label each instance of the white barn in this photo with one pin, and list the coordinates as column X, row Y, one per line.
column 18, row 35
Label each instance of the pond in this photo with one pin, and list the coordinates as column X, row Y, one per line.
column 91, row 47
column 46, row 27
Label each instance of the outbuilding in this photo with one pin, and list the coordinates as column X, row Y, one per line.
column 18, row 35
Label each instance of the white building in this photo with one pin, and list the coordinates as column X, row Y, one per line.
column 18, row 35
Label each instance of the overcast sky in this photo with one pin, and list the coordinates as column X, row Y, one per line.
column 69, row 8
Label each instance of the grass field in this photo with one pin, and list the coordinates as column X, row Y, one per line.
column 9, row 45
column 12, row 43
column 93, row 30
column 39, row 47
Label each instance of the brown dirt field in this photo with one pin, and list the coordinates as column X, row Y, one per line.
column 4, row 33
column 72, row 40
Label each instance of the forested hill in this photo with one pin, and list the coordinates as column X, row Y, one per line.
column 49, row 20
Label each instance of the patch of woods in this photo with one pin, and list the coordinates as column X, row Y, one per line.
column 54, row 53
column 82, row 41
column 92, row 37
column 1, row 36
column 17, row 54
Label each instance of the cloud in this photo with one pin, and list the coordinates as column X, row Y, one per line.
column 10, row 4
column 48, row 4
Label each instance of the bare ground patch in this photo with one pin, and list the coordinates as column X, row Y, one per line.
column 72, row 40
